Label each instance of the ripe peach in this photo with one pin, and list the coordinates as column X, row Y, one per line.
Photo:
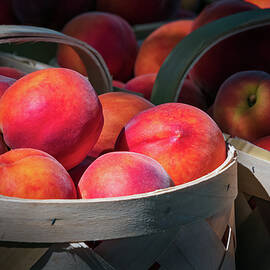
column 236, row 53
column 118, row 109
column 260, row 3
column 139, row 11
column 263, row 142
column 55, row 110
column 142, row 84
column 182, row 138
column 118, row 84
column 110, row 35
column 33, row 174
column 189, row 94
column 5, row 83
column 157, row 46
column 122, row 173
column 242, row 105
column 11, row 72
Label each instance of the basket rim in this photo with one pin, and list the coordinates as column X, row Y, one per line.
column 230, row 159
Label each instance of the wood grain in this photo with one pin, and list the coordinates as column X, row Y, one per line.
column 50, row 221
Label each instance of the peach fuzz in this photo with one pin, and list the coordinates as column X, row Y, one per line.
column 110, row 35
column 118, row 108
column 120, row 174
column 11, row 72
column 33, row 174
column 157, row 46
column 55, row 110
column 182, row 138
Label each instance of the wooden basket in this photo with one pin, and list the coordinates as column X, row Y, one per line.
column 252, row 205
column 190, row 226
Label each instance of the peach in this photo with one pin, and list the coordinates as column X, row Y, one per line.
column 139, row 11
column 182, row 138
column 260, row 3
column 55, row 110
column 110, row 35
column 118, row 84
column 142, row 84
column 189, row 94
column 34, row 174
column 11, row 72
column 157, row 46
column 236, row 53
column 242, row 105
column 77, row 172
column 5, row 83
column 120, row 174
column 118, row 109
column 263, row 142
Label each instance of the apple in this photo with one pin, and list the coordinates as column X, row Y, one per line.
column 182, row 138
column 110, row 35
column 118, row 108
column 55, row 110
column 241, row 105
column 34, row 174
column 120, row 174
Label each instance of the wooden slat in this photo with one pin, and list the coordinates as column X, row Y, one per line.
column 71, row 257
column 253, row 240
column 136, row 252
column 196, row 246
column 22, row 257
column 25, row 220
column 253, row 170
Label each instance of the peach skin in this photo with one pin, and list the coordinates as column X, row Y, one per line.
column 32, row 174
column 55, row 110
column 182, row 138
column 118, row 108
column 120, row 174
column 157, row 46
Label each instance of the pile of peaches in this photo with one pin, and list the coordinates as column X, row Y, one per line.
column 60, row 140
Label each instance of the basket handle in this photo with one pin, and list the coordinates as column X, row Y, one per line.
column 97, row 70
